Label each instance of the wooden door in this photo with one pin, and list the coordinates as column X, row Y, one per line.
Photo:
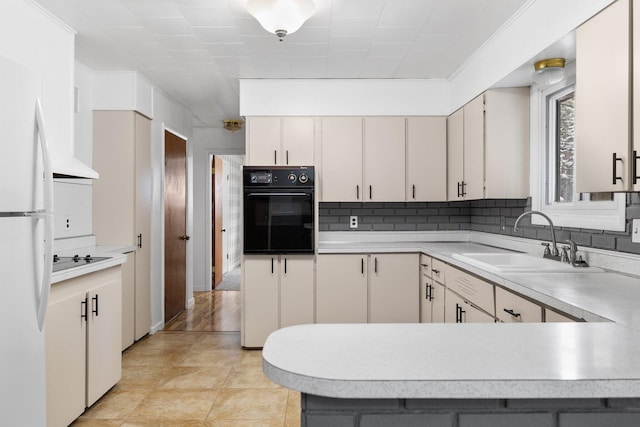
column 217, row 182
column 384, row 159
column 175, row 228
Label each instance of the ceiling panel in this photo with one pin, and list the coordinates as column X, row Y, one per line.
column 196, row 50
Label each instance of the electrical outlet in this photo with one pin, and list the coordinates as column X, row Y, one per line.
column 353, row 221
column 635, row 231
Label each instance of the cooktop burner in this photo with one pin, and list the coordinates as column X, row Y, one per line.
column 65, row 262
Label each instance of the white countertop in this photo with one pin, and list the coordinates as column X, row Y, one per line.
column 115, row 254
column 543, row 360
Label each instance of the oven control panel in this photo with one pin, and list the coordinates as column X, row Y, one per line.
column 278, row 176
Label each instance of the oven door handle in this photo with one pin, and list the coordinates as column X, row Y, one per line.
column 305, row 194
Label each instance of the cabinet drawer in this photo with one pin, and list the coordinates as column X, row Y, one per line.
column 473, row 289
column 513, row 308
column 554, row 316
column 425, row 265
column 438, row 270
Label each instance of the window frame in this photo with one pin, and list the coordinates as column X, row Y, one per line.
column 600, row 215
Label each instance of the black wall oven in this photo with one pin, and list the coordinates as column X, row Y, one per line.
column 278, row 209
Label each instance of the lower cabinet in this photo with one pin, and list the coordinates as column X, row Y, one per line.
column 459, row 310
column 360, row 288
column 277, row 292
column 512, row 308
column 83, row 343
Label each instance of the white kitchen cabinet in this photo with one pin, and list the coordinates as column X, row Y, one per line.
column 296, row 290
column 394, row 293
column 341, row 165
column 280, row 141
column 426, row 162
column 488, row 140
column 341, row 288
column 277, row 292
column 384, row 159
column 461, row 310
column 512, row 308
column 359, row 288
column 471, row 288
column 436, row 293
column 554, row 316
column 605, row 158
column 128, row 300
column 122, row 196
column 83, row 343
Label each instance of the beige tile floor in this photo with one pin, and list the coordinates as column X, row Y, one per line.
column 193, row 379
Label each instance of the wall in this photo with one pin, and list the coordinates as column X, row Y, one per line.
column 478, row 215
column 207, row 142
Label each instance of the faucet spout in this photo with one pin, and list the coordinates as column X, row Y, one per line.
column 554, row 250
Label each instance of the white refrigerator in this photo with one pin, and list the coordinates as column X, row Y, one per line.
column 26, row 243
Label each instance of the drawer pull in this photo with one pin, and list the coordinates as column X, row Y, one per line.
column 430, row 292
column 459, row 312
column 511, row 312
column 616, row 159
column 435, row 271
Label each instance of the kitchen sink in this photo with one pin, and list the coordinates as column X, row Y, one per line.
column 519, row 263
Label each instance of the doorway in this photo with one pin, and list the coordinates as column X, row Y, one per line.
column 175, row 225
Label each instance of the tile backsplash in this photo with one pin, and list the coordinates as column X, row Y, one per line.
column 492, row 216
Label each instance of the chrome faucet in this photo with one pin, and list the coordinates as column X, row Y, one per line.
column 554, row 253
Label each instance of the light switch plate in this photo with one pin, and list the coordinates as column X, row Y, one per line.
column 635, row 231
column 353, row 221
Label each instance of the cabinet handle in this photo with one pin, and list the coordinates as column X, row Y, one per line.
column 362, row 265
column 140, row 240
column 275, row 157
column 271, row 265
column 94, row 310
column 287, row 155
column 615, row 177
column 357, row 192
column 459, row 312
column 511, row 312
column 464, row 185
column 370, row 193
column 433, row 270
column 413, row 191
column 430, row 292
column 83, row 309
column 459, row 186
column 285, row 266
column 634, row 167
column 375, row 265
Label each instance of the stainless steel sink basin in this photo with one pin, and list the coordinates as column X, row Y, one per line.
column 519, row 263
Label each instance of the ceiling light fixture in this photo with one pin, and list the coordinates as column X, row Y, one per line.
column 549, row 71
column 281, row 17
column 233, row 125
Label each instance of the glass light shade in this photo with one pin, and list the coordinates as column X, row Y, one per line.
column 549, row 71
column 281, row 17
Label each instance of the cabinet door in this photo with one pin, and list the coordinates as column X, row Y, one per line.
column 384, row 159
column 426, row 301
column 260, row 298
column 474, row 149
column 296, row 290
column 297, row 141
column 341, row 168
column 263, row 141
column 66, row 341
column 341, row 288
column 437, row 303
column 459, row 310
column 455, row 155
column 128, row 300
column 602, row 111
column 104, row 339
column 511, row 308
column 426, row 159
column 143, row 227
column 394, row 293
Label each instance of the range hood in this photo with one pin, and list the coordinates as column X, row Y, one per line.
column 67, row 166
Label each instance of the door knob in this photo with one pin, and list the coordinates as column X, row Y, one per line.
column 185, row 237
column 224, row 230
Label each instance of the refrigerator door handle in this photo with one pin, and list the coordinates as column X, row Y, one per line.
column 48, row 219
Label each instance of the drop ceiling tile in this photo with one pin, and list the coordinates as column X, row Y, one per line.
column 226, row 49
column 353, row 26
column 309, row 67
column 304, row 50
column 389, row 49
column 379, row 67
column 208, row 16
column 177, row 26
column 396, row 34
column 405, row 14
column 345, row 64
column 309, row 35
column 264, row 44
column 195, row 57
column 202, row 3
column 126, row 35
column 152, row 8
column 358, row 8
column 350, row 42
column 180, row 42
column 217, row 34
column 144, row 49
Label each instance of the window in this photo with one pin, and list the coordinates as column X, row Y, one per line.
column 554, row 162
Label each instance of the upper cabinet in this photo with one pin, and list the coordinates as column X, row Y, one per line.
column 488, row 147
column 426, row 164
column 280, row 141
column 607, row 60
column 384, row 158
column 341, row 159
